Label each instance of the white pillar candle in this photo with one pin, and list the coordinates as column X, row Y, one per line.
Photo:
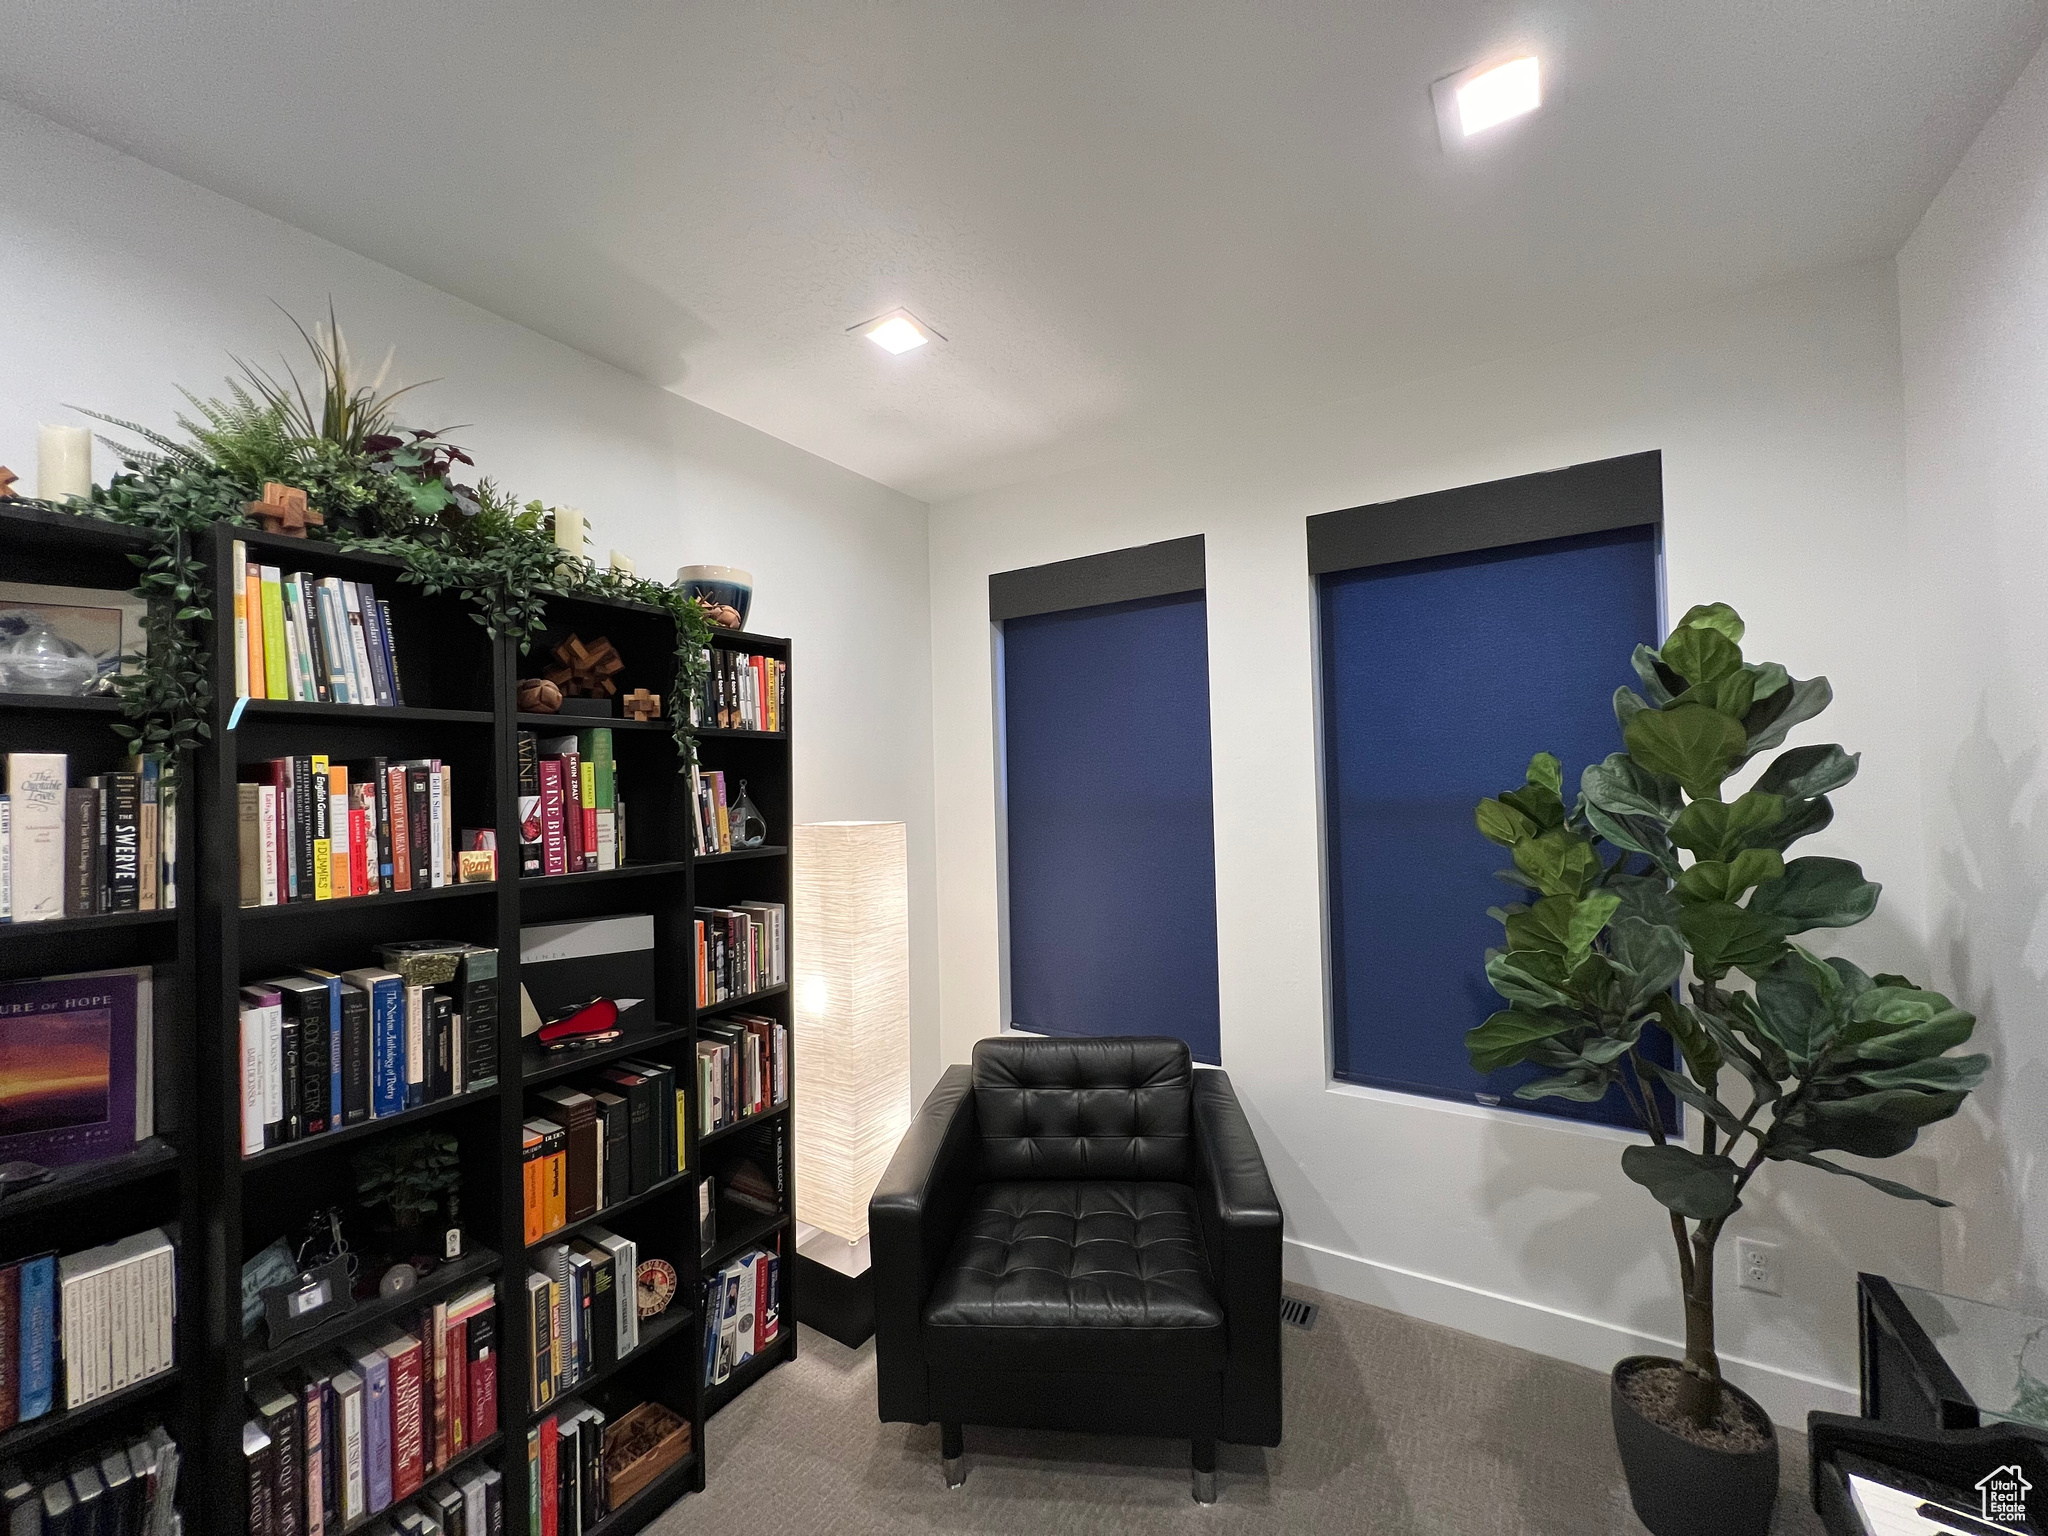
column 63, row 463
column 622, row 564
column 569, row 532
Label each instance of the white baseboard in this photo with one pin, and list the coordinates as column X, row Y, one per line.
column 1786, row 1395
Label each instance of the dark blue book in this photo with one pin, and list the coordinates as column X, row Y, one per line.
column 37, row 1362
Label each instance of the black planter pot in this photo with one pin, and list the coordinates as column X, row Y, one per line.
column 1680, row 1488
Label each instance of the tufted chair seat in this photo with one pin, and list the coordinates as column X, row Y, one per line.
column 1080, row 1234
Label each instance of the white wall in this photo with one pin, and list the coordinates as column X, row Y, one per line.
column 119, row 282
column 1779, row 419
column 1973, row 302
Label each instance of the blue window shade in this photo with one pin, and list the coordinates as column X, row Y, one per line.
column 1112, row 914
column 1441, row 678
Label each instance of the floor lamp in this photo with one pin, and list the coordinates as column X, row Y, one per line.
column 852, row 1050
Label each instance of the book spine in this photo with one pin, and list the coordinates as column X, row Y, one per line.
column 36, row 804
column 320, row 831
column 587, row 798
column 316, row 640
column 238, row 583
column 407, row 1459
column 327, row 607
column 437, row 828
column 275, row 681
column 554, row 845
column 401, row 835
column 419, row 824
column 358, row 644
column 378, row 643
column 259, row 667
column 355, row 1054
column 341, row 835
column 387, row 1043
column 390, row 650
column 303, row 799
column 312, row 1414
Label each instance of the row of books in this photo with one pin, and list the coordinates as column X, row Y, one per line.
column 571, row 816
column 357, row 1432
column 741, row 950
column 743, row 691
column 78, row 1064
column 314, row 638
column 123, row 1488
column 76, row 1327
column 712, row 828
column 589, row 1147
column 322, row 1051
column 742, row 1069
column 311, row 829
column 742, row 1313
column 107, row 843
column 567, row 1491
column 584, row 1311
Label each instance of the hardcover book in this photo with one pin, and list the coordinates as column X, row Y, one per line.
column 67, row 1060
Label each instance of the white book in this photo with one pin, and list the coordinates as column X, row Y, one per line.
column 474, row 1516
column 359, row 646
column 6, row 859
column 302, row 639
column 252, row 1080
column 35, row 791
column 625, row 1290
column 743, row 1328
column 415, row 1040
column 348, row 1396
column 239, row 568
column 266, row 803
column 437, row 828
column 333, row 629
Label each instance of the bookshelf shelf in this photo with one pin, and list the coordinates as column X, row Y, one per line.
column 655, row 1333
column 86, row 704
column 557, row 725
column 458, row 1275
column 613, row 1211
column 65, row 926
column 61, row 1423
column 592, row 876
column 544, row 1067
column 292, row 1151
column 367, row 903
column 761, row 1225
column 710, row 1010
column 741, row 855
column 149, row 1159
column 740, row 1127
column 729, row 732
column 361, row 714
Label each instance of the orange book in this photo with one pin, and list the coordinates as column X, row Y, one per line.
column 338, row 838
column 536, row 1206
column 252, row 596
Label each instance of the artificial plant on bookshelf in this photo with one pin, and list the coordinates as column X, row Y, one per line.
column 97, row 1282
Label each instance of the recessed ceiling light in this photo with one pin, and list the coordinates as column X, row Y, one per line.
column 1474, row 100
column 898, row 331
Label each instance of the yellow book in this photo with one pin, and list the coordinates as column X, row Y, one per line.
column 341, row 837
column 240, row 570
column 556, row 1194
column 682, row 1135
column 252, row 599
column 275, row 685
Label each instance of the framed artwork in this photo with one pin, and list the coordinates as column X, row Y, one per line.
column 109, row 624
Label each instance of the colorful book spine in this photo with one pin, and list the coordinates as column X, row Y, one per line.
column 276, row 683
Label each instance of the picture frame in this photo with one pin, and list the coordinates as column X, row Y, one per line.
column 111, row 625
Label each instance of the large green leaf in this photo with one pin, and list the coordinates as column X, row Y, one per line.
column 1635, row 834
column 1505, row 1038
column 1936, row 1072
column 1712, row 880
column 1699, row 1098
column 1660, row 683
column 1688, row 742
column 1815, row 893
column 1588, row 917
column 1647, row 897
column 1714, row 830
column 1916, row 1042
column 1682, row 1180
column 1650, row 954
column 1559, row 863
column 1771, row 719
column 1503, row 824
column 1545, row 770
column 1588, row 1085
column 1881, row 1124
column 1621, row 786
column 1703, row 1057
column 1724, row 937
column 1530, row 977
column 1802, row 818
column 1627, row 705
column 1538, row 802
column 1796, row 1005
column 1701, row 655
column 1713, row 616
column 1805, row 772
column 1889, row 1186
column 1546, row 925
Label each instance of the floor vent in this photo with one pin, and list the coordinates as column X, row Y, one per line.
column 1302, row 1314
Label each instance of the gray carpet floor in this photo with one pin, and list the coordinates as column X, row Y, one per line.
column 1393, row 1426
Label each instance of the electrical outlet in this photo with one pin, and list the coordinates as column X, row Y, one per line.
column 1756, row 1266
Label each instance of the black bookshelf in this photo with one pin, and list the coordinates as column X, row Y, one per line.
column 460, row 686
column 155, row 1184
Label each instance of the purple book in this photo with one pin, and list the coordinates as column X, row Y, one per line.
column 67, row 1063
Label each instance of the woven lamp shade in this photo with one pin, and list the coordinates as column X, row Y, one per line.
column 852, row 923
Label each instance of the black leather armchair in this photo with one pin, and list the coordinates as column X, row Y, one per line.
column 1080, row 1234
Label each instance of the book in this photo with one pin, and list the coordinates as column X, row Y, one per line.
column 35, row 1337
column 351, row 1480
column 553, row 819
column 68, row 1057
column 385, row 992
column 275, row 682
column 238, row 580
column 35, row 795
column 277, row 1416
column 625, row 1255
column 583, row 1146
column 540, row 1380
column 375, row 1369
column 408, row 1447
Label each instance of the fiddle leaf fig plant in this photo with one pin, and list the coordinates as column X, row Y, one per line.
column 1655, row 867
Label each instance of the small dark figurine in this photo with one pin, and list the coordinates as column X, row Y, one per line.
column 283, row 510
column 586, row 670
column 538, row 696
column 641, row 705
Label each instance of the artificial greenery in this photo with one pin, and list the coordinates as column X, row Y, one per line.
column 1651, row 867
column 408, row 1175
column 378, row 487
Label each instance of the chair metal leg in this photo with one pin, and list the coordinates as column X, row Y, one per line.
column 1204, row 1459
column 952, row 1455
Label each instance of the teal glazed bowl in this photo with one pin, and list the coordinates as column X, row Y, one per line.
column 724, row 584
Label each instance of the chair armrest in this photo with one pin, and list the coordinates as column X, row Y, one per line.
column 1241, row 1228
column 913, row 1218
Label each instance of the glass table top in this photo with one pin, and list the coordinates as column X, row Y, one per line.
column 2000, row 1356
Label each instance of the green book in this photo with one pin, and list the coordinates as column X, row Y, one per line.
column 594, row 747
column 274, row 674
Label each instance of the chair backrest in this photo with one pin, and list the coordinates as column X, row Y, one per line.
column 1084, row 1109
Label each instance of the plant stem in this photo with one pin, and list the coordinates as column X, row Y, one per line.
column 1699, row 1389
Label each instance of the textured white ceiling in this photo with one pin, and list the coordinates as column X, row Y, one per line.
column 1124, row 216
